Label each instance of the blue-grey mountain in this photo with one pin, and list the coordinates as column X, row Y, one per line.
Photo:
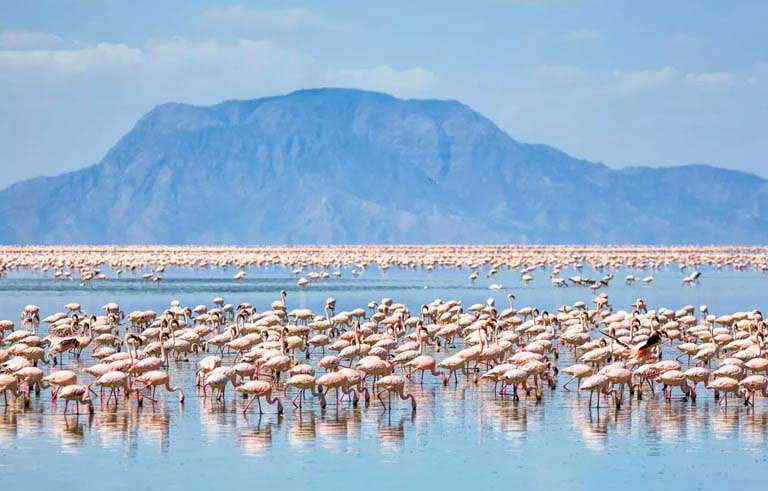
column 348, row 166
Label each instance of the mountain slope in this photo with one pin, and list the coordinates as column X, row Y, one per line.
column 347, row 166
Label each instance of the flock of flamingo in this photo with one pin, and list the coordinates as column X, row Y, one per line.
column 376, row 354
column 90, row 264
column 376, row 351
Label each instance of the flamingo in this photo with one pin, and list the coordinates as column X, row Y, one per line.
column 753, row 384
column 59, row 379
column 726, row 385
column 114, row 381
column 155, row 379
column 577, row 372
column 393, row 384
column 79, row 394
column 303, row 382
column 8, row 383
column 258, row 389
column 595, row 383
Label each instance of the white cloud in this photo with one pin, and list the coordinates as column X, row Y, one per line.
column 641, row 80
column 243, row 19
column 711, row 79
column 98, row 58
column 385, row 78
column 562, row 73
column 244, row 55
column 583, row 35
column 18, row 40
column 200, row 71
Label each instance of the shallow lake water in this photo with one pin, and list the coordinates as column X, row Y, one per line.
column 461, row 436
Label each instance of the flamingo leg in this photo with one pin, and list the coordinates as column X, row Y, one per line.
column 378, row 395
column 565, row 385
column 247, row 406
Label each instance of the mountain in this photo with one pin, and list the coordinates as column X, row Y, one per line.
column 347, row 166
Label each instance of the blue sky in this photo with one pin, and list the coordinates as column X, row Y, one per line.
column 621, row 82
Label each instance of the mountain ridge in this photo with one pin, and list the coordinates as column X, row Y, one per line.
column 349, row 166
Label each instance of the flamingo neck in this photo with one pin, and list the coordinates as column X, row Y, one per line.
column 419, row 340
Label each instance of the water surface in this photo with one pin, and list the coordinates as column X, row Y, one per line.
column 460, row 437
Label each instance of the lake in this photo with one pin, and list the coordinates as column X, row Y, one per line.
column 461, row 436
